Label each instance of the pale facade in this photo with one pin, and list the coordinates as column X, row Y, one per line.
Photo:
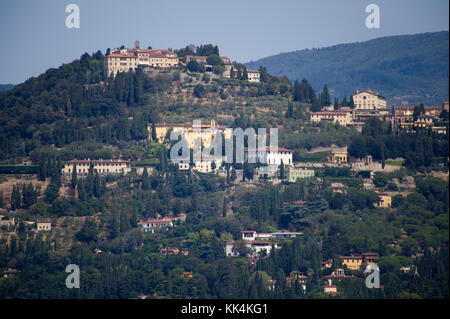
column 118, row 62
column 344, row 118
column 253, row 76
column 368, row 100
column 268, row 156
column 385, row 201
column 256, row 246
column 100, row 166
column 299, row 173
column 125, row 60
column 203, row 133
column 43, row 226
column 151, row 225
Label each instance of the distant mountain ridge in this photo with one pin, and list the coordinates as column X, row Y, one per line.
column 406, row 68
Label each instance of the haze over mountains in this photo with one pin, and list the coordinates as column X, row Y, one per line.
column 406, row 69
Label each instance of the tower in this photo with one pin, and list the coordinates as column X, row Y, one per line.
column 136, row 44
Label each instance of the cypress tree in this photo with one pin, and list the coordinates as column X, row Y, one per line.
column 2, row 201
column 15, row 198
column 42, row 169
column 145, row 180
column 74, row 180
column 298, row 94
column 97, row 186
column 282, row 173
column 326, row 99
column 154, row 138
column 290, row 110
column 29, row 195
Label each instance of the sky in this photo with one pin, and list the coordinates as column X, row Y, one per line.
column 34, row 36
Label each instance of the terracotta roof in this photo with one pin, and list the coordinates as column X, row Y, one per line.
column 120, row 55
column 350, row 257
column 371, row 92
column 328, row 113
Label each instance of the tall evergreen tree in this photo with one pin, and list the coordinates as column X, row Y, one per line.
column 15, row 198
column 74, row 180
column 145, row 180
column 2, row 200
column 154, row 138
column 290, row 110
column 282, row 172
column 325, row 97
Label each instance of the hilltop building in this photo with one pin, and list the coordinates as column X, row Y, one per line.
column 368, row 100
column 124, row 60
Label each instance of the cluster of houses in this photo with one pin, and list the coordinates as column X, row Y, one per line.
column 353, row 262
column 124, row 60
column 384, row 201
column 369, row 104
column 40, row 226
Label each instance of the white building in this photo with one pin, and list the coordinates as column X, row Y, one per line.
column 253, row 76
column 251, row 235
column 256, row 247
column 268, row 156
column 43, row 226
column 150, row 225
column 258, row 242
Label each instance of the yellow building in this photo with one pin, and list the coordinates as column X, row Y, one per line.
column 338, row 157
column 100, row 166
column 367, row 100
column 191, row 132
column 125, row 59
column 385, row 201
column 118, row 62
column 352, row 262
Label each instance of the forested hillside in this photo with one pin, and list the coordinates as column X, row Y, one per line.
column 73, row 112
column 412, row 68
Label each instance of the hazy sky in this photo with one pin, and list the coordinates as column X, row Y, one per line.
column 34, row 36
